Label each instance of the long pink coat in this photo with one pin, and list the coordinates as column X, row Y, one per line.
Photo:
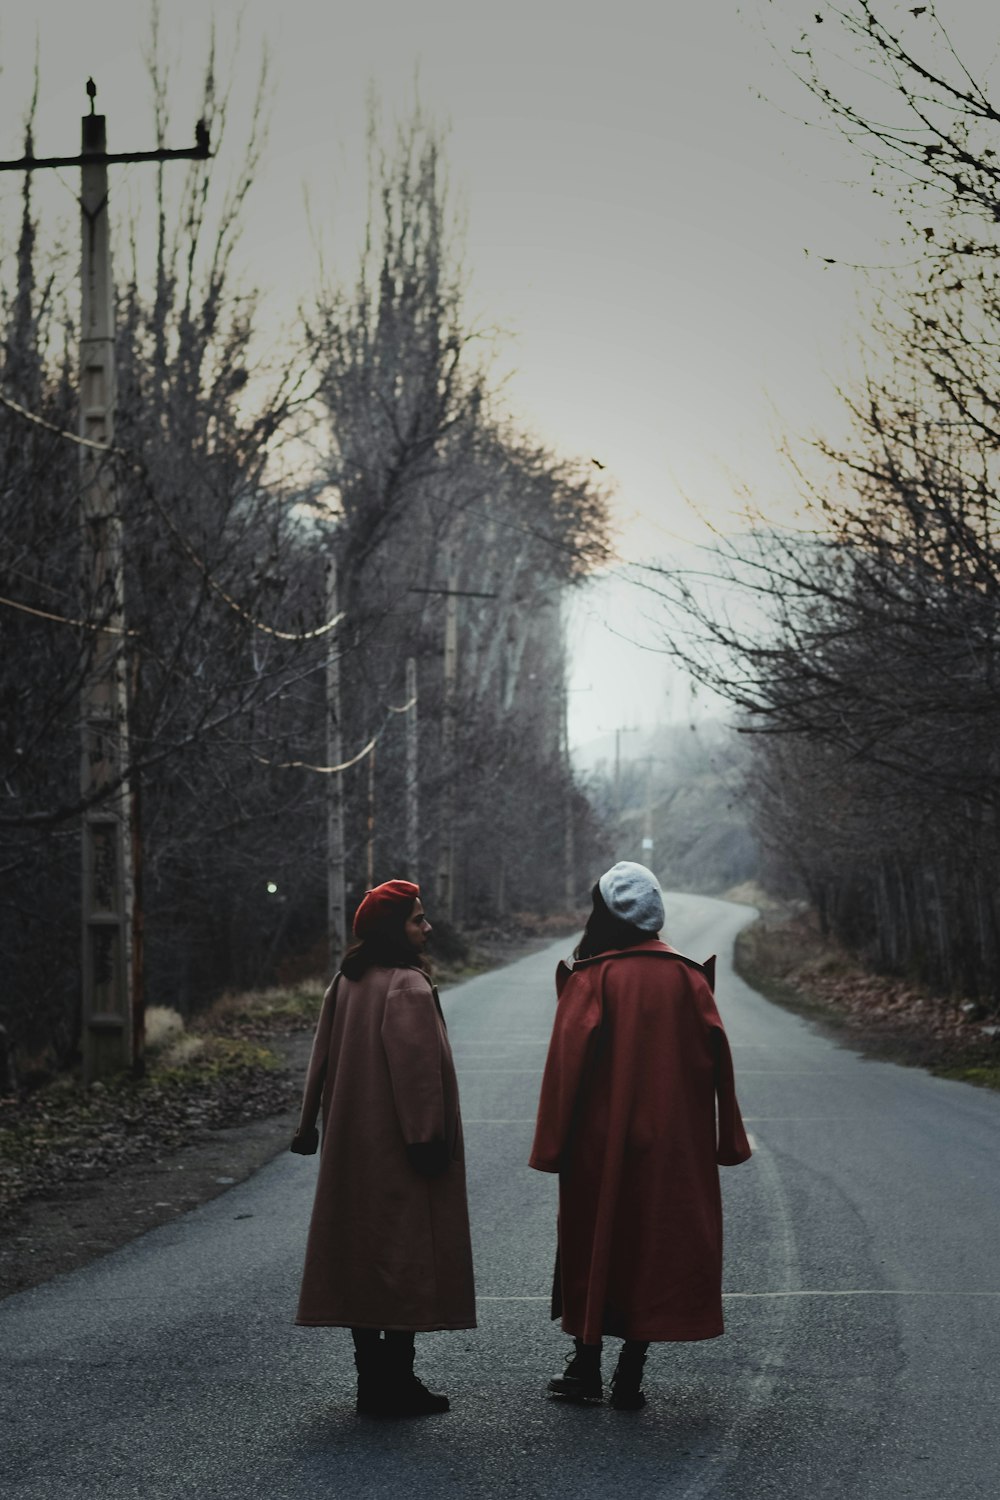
column 638, row 1109
column 387, row 1248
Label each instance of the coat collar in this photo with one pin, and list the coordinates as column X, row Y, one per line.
column 652, row 947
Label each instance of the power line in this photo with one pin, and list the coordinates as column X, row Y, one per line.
column 44, row 614
column 70, row 437
column 137, row 467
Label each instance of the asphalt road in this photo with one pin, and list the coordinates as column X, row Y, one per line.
column 862, row 1356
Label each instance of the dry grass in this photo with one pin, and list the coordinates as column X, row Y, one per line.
column 180, row 1053
column 164, row 1028
column 263, row 1012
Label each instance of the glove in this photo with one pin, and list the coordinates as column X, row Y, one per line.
column 305, row 1142
column 429, row 1158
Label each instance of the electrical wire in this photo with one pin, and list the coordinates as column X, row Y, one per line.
column 88, row 443
column 44, row 614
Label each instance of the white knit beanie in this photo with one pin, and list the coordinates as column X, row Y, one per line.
column 633, row 893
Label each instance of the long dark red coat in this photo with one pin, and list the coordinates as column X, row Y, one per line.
column 638, row 1109
column 387, row 1248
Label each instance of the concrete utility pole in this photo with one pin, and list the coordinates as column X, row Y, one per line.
column 444, row 893
column 444, row 879
column 112, row 1029
column 646, row 857
column 412, row 774
column 336, row 925
column 111, row 978
column 370, row 867
column 569, row 847
column 623, row 729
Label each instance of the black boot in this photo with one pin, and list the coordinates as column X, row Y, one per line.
column 369, row 1359
column 581, row 1380
column 626, row 1382
column 405, row 1395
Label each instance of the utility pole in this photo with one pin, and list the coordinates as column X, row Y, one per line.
column 110, row 1033
column 647, row 838
column 622, row 729
column 444, row 881
column 569, row 850
column 335, row 884
column 111, row 922
column 412, row 774
column 444, row 893
column 371, row 819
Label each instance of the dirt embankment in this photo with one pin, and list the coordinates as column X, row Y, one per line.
column 785, row 957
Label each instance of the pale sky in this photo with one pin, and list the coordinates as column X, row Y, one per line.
column 636, row 217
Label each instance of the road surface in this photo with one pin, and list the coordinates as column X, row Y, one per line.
column 862, row 1282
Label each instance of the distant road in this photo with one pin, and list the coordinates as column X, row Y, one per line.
column 863, row 1306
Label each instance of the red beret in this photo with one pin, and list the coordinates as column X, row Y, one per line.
column 378, row 903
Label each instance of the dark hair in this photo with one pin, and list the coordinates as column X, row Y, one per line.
column 386, row 947
column 605, row 932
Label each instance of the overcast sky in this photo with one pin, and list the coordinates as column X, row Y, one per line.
column 637, row 217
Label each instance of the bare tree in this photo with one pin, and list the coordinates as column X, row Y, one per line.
column 438, row 513
column 863, row 650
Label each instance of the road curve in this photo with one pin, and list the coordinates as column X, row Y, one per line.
column 862, row 1357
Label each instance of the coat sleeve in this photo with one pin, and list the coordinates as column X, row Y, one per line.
column 733, row 1146
column 574, row 1035
column 411, row 1037
column 306, row 1137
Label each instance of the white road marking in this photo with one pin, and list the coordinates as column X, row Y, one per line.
column 877, row 1291
column 805, row 1292
column 747, row 1120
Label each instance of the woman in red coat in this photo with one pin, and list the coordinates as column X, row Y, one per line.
column 388, row 1253
column 638, row 1109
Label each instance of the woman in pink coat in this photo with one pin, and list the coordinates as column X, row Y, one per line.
column 389, row 1252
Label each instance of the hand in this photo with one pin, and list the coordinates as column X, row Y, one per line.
column 429, row 1158
column 305, row 1142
